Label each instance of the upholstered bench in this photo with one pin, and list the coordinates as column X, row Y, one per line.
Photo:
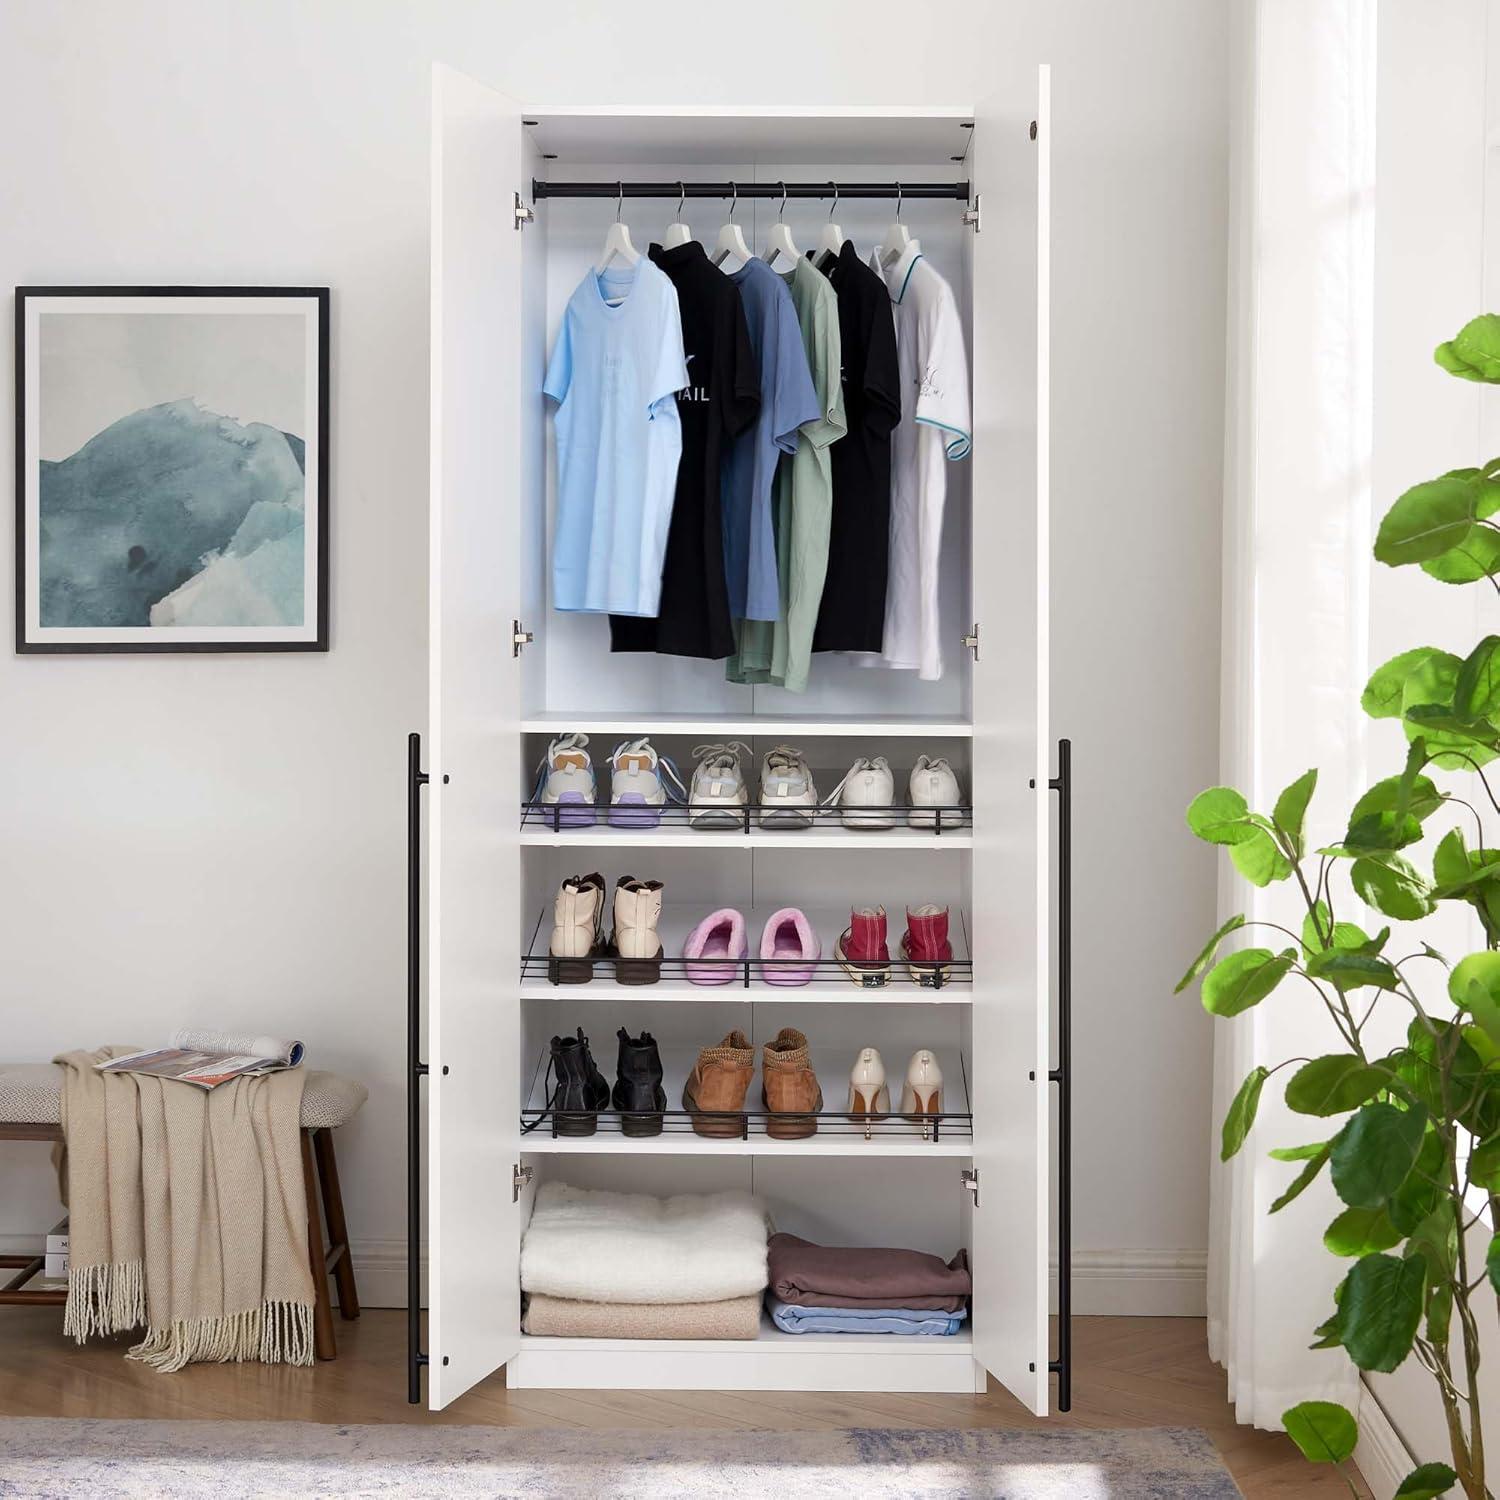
column 31, row 1110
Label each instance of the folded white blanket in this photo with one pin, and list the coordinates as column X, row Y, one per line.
column 627, row 1247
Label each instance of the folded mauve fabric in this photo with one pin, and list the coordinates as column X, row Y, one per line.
column 809, row 1275
column 902, row 1320
column 571, row 1318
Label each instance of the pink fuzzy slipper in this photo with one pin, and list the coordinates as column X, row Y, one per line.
column 720, row 936
column 789, row 935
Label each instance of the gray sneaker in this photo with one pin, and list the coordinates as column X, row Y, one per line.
column 787, row 795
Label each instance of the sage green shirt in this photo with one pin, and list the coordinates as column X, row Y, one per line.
column 780, row 653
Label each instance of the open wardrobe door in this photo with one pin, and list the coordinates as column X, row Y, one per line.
column 474, row 714
column 1012, row 815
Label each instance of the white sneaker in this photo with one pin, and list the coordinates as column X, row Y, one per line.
column 565, row 780
column 788, row 797
column 641, row 783
column 719, row 794
column 867, row 784
column 933, row 784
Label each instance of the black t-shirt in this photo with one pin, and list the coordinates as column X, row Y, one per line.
column 851, row 616
column 723, row 398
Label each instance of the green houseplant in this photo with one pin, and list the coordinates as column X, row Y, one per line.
column 1410, row 1137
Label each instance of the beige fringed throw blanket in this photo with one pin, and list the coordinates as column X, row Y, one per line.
column 186, row 1214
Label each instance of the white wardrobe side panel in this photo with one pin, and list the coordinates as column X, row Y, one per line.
column 1011, row 881
column 477, row 459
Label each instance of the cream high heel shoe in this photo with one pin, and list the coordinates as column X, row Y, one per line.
column 922, row 1094
column 868, row 1094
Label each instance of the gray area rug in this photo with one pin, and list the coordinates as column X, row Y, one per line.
column 43, row 1458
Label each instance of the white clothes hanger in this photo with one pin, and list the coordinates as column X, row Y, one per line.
column 831, row 241
column 731, row 239
column 779, row 241
column 617, row 241
column 677, row 234
column 897, row 237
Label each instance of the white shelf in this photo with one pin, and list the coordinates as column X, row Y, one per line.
column 824, row 836
column 829, row 987
column 730, row 726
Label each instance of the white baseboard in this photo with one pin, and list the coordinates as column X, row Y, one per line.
column 380, row 1272
column 1380, row 1455
column 1138, row 1283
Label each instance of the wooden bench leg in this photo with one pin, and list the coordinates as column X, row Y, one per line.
column 324, row 1345
column 339, row 1253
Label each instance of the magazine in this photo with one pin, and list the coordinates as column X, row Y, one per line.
column 209, row 1058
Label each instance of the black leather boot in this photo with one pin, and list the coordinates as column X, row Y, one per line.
column 638, row 1093
column 580, row 1092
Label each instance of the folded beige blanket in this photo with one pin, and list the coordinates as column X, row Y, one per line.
column 187, row 1212
column 568, row 1318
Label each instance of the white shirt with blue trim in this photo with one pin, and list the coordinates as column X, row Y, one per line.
column 935, row 430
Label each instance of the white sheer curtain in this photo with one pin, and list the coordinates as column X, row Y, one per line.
column 1297, row 532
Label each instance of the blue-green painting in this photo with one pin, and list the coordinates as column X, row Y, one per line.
column 174, row 479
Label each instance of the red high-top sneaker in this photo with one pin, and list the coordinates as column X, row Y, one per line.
column 925, row 945
column 862, row 947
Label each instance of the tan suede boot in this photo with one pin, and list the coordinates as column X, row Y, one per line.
column 714, row 1093
column 789, row 1087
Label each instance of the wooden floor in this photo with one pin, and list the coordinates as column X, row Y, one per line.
column 1131, row 1372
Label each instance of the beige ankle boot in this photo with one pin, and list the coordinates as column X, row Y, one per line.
column 577, row 929
column 635, row 942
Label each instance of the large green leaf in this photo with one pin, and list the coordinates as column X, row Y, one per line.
column 1475, row 983
column 1484, row 1164
column 1477, row 692
column 1259, row 858
column 1241, row 1114
column 1244, row 979
column 1450, row 860
column 1332, row 1085
column 1424, row 1189
column 1221, row 815
column 1381, row 1310
column 1492, row 1262
column 1353, row 971
column 1476, row 557
column 1303, row 1178
column 1383, row 693
column 1347, row 936
column 1210, row 950
column 1429, row 519
column 1291, row 808
column 1391, row 885
column 1435, row 1240
column 1428, row 711
column 1360, row 1231
column 1324, row 1431
column 1383, row 806
column 1372, row 1155
column 1426, row 1482
column 1473, row 353
column 1300, row 1153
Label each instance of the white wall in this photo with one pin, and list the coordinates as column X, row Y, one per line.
column 223, row 838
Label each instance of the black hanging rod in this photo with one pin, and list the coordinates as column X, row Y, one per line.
column 891, row 190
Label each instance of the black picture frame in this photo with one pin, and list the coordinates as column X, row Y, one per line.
column 320, row 297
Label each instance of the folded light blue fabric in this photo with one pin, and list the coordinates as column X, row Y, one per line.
column 793, row 1319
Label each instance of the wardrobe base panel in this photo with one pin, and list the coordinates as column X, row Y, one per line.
column 773, row 1362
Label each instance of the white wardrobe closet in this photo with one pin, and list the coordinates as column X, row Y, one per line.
column 508, row 673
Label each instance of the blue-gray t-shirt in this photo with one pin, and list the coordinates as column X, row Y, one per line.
column 787, row 400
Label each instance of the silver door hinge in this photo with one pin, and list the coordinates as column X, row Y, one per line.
column 971, row 216
column 519, row 1177
column 970, row 642
column 518, row 638
column 970, row 1179
column 524, row 212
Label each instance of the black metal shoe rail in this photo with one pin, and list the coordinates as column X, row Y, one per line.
column 738, row 1124
column 416, row 1069
column 564, row 817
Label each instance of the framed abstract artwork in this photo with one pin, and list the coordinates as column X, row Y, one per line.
column 171, row 469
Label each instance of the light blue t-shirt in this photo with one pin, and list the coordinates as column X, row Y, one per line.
column 787, row 400
column 616, row 364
